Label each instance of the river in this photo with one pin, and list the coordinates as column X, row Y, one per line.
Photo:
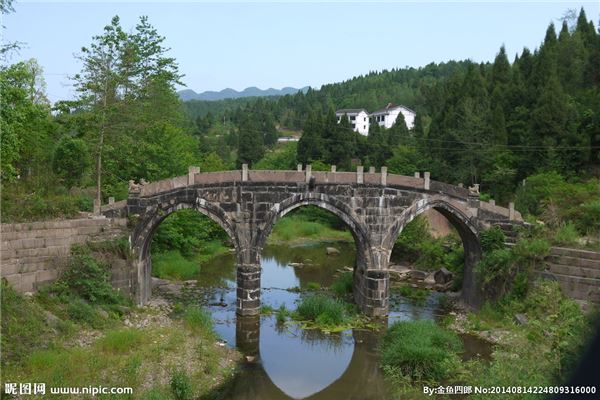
column 287, row 362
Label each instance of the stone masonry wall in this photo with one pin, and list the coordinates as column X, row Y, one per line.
column 577, row 272
column 31, row 254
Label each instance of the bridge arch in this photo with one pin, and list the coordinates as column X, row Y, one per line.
column 141, row 239
column 460, row 219
column 338, row 208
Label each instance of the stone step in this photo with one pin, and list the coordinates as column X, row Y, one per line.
column 574, row 261
column 573, row 271
column 576, row 287
column 563, row 251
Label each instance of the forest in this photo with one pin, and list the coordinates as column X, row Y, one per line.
column 498, row 124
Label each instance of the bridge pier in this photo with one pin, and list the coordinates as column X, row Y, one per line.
column 248, row 289
column 371, row 291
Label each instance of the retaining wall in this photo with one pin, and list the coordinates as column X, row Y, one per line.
column 31, row 254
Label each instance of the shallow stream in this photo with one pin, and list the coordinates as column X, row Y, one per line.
column 287, row 362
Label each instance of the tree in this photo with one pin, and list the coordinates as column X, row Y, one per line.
column 71, row 160
column 127, row 88
column 250, row 144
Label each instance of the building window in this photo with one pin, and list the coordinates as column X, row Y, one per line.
column 364, row 127
column 353, row 126
column 352, row 118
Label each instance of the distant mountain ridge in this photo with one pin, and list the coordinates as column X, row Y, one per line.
column 189, row 94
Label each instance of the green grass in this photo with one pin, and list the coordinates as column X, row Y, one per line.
column 414, row 294
column 121, row 340
column 326, row 313
column 416, row 351
column 343, row 284
column 198, row 319
column 173, row 265
column 282, row 314
column 542, row 353
column 295, row 229
column 313, row 286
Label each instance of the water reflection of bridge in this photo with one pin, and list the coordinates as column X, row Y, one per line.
column 360, row 380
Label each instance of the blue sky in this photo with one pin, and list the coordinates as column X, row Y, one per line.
column 276, row 44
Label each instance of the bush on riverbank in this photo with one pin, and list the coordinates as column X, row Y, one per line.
column 543, row 352
column 420, row 351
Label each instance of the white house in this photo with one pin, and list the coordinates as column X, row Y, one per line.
column 358, row 117
column 386, row 117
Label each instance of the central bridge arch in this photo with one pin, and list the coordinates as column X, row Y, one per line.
column 326, row 202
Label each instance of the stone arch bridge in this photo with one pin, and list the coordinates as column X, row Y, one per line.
column 247, row 204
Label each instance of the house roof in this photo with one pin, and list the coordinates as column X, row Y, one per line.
column 389, row 107
column 350, row 111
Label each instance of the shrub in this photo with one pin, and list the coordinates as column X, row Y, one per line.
column 492, row 239
column 87, row 278
column 313, row 285
column 495, row 272
column 344, row 284
column 566, row 235
column 181, row 386
column 420, row 351
column 589, row 221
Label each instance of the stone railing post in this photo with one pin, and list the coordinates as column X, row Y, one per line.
column 427, row 182
column 492, row 202
column 111, row 200
column 511, row 211
column 371, row 170
column 418, row 175
column 333, row 168
column 359, row 174
column 191, row 172
column 308, row 172
column 244, row 172
column 383, row 176
column 96, row 207
column 299, row 167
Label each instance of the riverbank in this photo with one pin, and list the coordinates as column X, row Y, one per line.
column 537, row 340
column 150, row 349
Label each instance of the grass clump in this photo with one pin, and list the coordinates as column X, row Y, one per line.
column 180, row 384
column 325, row 312
column 197, row 318
column 416, row 351
column 343, row 284
column 414, row 294
column 120, row 341
column 313, row 286
column 282, row 314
